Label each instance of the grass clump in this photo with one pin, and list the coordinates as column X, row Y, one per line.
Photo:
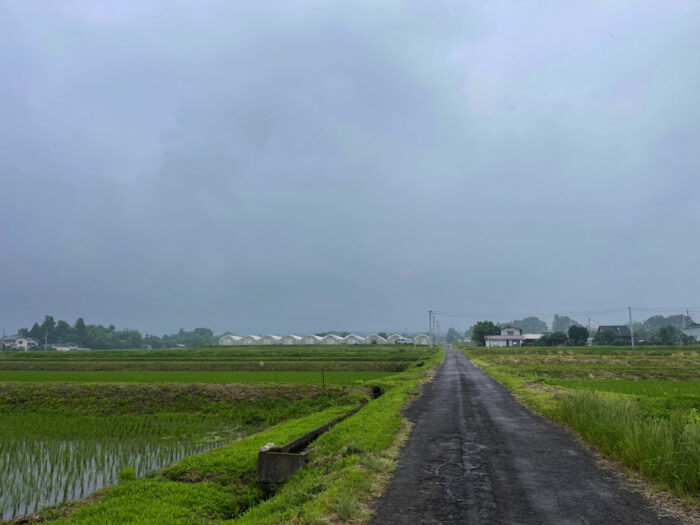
column 667, row 450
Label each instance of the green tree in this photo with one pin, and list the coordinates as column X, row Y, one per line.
column 35, row 332
column 47, row 328
column 561, row 323
column 554, row 339
column 80, row 331
column 578, row 334
column 605, row 337
column 63, row 332
column 531, row 325
column 452, row 336
column 483, row 328
column 669, row 335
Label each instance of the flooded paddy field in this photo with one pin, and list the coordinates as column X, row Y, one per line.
column 74, row 422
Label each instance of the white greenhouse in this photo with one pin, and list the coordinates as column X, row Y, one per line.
column 291, row 340
column 394, row 338
column 228, row 340
column 331, row 339
column 310, row 339
column 374, row 339
column 270, row 340
column 353, row 339
column 250, row 340
column 421, row 339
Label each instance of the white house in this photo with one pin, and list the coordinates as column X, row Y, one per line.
column 421, row 339
column 693, row 331
column 510, row 336
column 228, row 340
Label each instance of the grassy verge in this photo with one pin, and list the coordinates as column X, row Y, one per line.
column 346, row 468
column 651, row 426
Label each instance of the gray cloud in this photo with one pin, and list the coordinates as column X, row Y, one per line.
column 299, row 166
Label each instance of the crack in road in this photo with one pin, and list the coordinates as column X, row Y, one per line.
column 476, row 456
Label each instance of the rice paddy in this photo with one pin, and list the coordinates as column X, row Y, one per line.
column 189, row 376
column 46, row 460
column 73, row 423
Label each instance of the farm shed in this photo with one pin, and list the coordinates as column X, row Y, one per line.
column 394, row 338
column 332, row 339
column 228, row 340
column 421, row 339
column 310, row 339
column 270, row 340
column 250, row 340
column 291, row 340
column 353, row 339
column 374, row 339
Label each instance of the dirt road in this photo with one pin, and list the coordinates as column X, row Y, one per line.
column 477, row 456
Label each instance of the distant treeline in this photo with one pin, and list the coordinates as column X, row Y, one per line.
column 654, row 330
column 96, row 336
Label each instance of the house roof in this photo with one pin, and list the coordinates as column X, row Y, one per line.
column 620, row 330
column 504, row 337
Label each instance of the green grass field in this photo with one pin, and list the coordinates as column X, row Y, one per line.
column 641, row 407
column 73, row 422
column 187, row 376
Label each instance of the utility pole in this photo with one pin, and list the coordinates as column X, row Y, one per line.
column 430, row 326
column 631, row 327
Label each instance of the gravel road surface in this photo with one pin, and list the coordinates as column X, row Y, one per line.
column 475, row 455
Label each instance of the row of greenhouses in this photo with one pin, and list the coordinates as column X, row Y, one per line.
column 330, row 339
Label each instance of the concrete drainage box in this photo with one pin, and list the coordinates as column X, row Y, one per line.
column 278, row 464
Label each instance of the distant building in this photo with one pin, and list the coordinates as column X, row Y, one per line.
column 531, row 338
column 352, row 339
column 510, row 336
column 374, row 339
column 19, row 343
column 422, row 339
column 228, row 340
column 693, row 331
column 621, row 331
column 66, row 347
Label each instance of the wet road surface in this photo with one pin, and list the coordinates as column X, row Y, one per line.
column 476, row 456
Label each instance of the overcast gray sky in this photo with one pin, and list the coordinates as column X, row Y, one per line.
column 299, row 166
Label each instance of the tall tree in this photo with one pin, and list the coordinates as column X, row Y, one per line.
column 531, row 325
column 47, row 328
column 605, row 337
column 63, row 332
column 80, row 330
column 482, row 329
column 561, row 323
column 578, row 334
column 452, row 336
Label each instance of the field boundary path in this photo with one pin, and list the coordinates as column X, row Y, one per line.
column 476, row 456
